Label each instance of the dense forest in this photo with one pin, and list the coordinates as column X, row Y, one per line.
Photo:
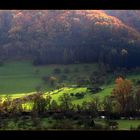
column 70, row 36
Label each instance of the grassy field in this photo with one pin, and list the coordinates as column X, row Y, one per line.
column 123, row 124
column 22, row 77
column 127, row 124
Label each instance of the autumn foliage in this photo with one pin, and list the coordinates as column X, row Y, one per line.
column 67, row 36
column 122, row 91
column 118, row 80
column 123, row 87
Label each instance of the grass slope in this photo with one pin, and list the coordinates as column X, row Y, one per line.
column 127, row 124
column 21, row 77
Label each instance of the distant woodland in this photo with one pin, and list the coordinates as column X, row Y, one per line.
column 71, row 36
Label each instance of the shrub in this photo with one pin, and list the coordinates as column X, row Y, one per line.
column 94, row 89
column 60, row 85
column 65, row 102
column 71, row 94
column 54, row 106
column 112, row 125
column 52, row 80
column 38, row 88
column 79, row 95
column 82, row 81
column 97, row 78
column 40, row 105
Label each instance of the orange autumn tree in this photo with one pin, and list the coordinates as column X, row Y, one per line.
column 122, row 91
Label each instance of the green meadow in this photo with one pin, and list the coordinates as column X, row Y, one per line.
column 23, row 77
column 19, row 78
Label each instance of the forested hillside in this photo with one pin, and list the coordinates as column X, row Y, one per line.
column 129, row 17
column 68, row 36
